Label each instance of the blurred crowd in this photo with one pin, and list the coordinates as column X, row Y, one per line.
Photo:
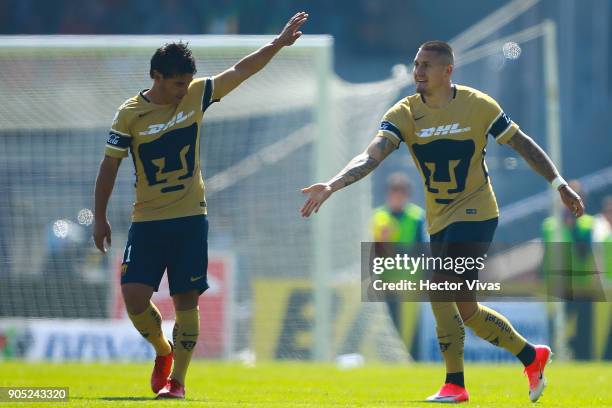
column 370, row 36
column 369, row 26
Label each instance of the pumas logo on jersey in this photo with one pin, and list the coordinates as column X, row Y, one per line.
column 160, row 127
column 443, row 130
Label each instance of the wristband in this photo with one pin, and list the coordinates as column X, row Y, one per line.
column 558, row 182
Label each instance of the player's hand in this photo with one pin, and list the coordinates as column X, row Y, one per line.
column 317, row 194
column 102, row 231
column 571, row 200
column 292, row 32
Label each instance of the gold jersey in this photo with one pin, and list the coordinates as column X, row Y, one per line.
column 448, row 146
column 164, row 141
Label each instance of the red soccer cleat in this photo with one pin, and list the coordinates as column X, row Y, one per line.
column 450, row 393
column 172, row 389
column 161, row 370
column 535, row 372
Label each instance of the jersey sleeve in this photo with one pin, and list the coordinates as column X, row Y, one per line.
column 500, row 126
column 119, row 137
column 396, row 125
column 204, row 87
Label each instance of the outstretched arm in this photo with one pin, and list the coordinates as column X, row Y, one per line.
column 252, row 63
column 359, row 167
column 541, row 164
column 104, row 187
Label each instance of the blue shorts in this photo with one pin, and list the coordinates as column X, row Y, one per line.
column 464, row 239
column 178, row 245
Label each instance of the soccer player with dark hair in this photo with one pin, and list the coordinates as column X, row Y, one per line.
column 161, row 128
column 445, row 127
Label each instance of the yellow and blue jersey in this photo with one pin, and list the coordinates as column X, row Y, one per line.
column 448, row 146
column 164, row 141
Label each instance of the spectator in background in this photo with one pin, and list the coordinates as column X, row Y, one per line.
column 396, row 227
column 571, row 250
column 572, row 229
column 602, row 236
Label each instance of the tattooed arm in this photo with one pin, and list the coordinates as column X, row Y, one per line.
column 533, row 154
column 359, row 167
column 539, row 161
column 362, row 164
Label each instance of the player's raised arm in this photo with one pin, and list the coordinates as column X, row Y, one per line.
column 359, row 167
column 541, row 164
column 104, row 187
column 252, row 63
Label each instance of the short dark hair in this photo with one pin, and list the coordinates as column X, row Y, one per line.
column 442, row 48
column 173, row 59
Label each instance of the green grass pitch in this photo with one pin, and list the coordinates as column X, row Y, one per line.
column 213, row 384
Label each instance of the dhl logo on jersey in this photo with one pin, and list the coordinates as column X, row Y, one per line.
column 153, row 129
column 442, row 130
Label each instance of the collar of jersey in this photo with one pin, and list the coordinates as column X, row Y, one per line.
column 444, row 107
column 148, row 101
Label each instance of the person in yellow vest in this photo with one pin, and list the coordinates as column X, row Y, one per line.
column 602, row 237
column 401, row 224
column 572, row 251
